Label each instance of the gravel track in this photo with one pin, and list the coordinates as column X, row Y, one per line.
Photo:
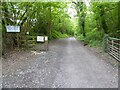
column 67, row 64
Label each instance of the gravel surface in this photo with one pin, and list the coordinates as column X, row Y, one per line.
column 67, row 64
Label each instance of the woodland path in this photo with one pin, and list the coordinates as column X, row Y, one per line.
column 67, row 64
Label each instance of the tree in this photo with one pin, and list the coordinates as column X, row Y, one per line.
column 80, row 8
column 37, row 18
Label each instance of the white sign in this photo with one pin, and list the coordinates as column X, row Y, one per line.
column 46, row 38
column 13, row 28
column 40, row 38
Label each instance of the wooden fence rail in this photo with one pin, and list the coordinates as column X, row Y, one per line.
column 112, row 46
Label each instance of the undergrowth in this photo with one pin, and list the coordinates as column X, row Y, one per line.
column 93, row 38
column 56, row 35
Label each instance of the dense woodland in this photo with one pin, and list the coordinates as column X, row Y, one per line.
column 90, row 23
column 100, row 19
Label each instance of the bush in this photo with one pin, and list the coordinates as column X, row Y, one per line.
column 56, row 34
column 93, row 38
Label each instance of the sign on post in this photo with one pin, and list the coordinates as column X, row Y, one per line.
column 13, row 28
column 43, row 39
column 46, row 38
column 40, row 38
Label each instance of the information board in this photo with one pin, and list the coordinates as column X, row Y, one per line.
column 13, row 28
column 40, row 38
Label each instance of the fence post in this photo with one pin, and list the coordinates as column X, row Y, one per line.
column 105, row 45
column 112, row 46
column 119, row 53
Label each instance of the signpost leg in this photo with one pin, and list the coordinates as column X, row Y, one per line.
column 18, row 43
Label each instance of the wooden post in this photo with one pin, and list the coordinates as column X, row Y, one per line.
column 18, row 43
column 46, row 42
column 105, row 41
column 119, row 53
column 11, row 41
column 112, row 46
column 47, row 45
column 107, row 44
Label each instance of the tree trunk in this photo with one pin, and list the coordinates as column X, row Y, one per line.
column 103, row 22
column 119, row 15
column 83, row 28
column 50, row 22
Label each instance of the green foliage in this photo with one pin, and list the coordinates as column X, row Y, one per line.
column 56, row 35
column 37, row 18
column 52, row 19
column 101, row 18
column 81, row 13
column 106, row 16
column 93, row 38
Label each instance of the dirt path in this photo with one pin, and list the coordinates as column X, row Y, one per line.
column 67, row 64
